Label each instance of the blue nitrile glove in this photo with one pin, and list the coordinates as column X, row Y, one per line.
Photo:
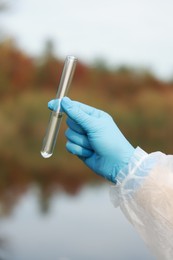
column 95, row 138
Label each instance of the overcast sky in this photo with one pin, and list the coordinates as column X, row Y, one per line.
column 131, row 32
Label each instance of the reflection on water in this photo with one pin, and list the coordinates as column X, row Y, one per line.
column 65, row 223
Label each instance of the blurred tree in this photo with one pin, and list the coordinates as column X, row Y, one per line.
column 48, row 53
column 100, row 64
column 3, row 5
column 49, row 67
column 16, row 69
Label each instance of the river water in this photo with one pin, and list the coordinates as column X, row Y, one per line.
column 84, row 226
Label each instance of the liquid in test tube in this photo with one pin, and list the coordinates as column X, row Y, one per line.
column 52, row 131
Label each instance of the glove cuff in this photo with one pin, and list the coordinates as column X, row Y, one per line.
column 135, row 161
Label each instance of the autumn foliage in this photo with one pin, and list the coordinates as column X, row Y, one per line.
column 141, row 105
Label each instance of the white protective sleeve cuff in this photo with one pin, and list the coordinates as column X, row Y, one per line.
column 144, row 192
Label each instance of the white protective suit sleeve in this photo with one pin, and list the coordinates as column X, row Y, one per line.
column 144, row 192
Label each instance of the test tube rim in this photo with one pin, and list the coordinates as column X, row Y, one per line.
column 71, row 57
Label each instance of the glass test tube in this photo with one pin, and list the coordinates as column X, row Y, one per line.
column 51, row 135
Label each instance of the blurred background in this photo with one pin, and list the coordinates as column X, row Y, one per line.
column 57, row 208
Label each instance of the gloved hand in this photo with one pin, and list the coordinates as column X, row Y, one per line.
column 95, row 138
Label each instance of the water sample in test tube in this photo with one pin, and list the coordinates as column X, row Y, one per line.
column 51, row 135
